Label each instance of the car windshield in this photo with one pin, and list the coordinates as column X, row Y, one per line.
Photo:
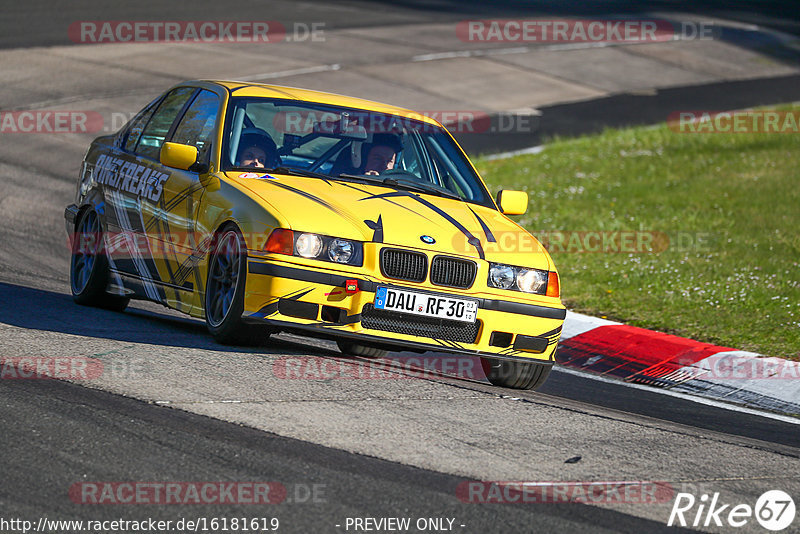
column 350, row 145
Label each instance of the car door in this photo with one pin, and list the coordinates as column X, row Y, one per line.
column 154, row 206
column 176, row 248
column 132, row 191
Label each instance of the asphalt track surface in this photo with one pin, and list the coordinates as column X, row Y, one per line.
column 177, row 407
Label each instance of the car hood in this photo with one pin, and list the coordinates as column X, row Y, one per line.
column 366, row 212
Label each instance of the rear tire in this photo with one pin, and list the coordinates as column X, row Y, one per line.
column 88, row 268
column 515, row 375
column 354, row 349
column 225, row 288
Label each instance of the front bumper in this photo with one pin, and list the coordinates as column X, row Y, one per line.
column 313, row 301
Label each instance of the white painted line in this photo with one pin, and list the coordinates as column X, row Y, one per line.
column 512, row 153
column 292, row 72
column 684, row 396
column 516, row 50
column 443, row 55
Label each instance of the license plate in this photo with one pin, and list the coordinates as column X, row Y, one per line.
column 399, row 300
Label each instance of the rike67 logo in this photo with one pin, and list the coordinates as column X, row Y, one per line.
column 774, row 510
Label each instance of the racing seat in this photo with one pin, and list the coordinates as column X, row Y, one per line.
column 343, row 164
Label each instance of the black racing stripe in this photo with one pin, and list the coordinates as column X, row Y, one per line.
column 272, row 307
column 486, row 230
column 299, row 295
column 377, row 227
column 177, row 199
column 316, row 199
column 316, row 277
column 269, row 309
column 392, row 202
column 182, row 195
column 551, row 333
column 188, row 266
column 471, row 239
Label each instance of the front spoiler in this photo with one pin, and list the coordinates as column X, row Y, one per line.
column 329, row 279
column 319, row 331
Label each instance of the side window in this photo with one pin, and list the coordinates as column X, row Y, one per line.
column 197, row 125
column 156, row 130
column 135, row 130
column 450, row 173
column 410, row 160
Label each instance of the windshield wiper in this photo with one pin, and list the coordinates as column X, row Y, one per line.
column 420, row 187
column 298, row 172
column 371, row 179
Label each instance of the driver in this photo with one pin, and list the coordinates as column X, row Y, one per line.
column 382, row 153
column 257, row 150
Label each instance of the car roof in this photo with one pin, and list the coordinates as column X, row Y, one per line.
column 320, row 97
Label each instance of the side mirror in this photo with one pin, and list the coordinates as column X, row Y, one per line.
column 178, row 156
column 512, row 202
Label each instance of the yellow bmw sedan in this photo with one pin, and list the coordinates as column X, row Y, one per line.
column 263, row 209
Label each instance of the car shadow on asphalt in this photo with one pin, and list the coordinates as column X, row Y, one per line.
column 49, row 311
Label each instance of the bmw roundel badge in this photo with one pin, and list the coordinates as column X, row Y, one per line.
column 427, row 239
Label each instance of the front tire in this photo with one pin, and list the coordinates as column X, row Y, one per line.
column 225, row 289
column 514, row 374
column 89, row 269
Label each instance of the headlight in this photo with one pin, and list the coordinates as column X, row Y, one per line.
column 523, row 279
column 315, row 247
column 340, row 250
column 532, row 281
column 501, row 276
column 308, row 245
